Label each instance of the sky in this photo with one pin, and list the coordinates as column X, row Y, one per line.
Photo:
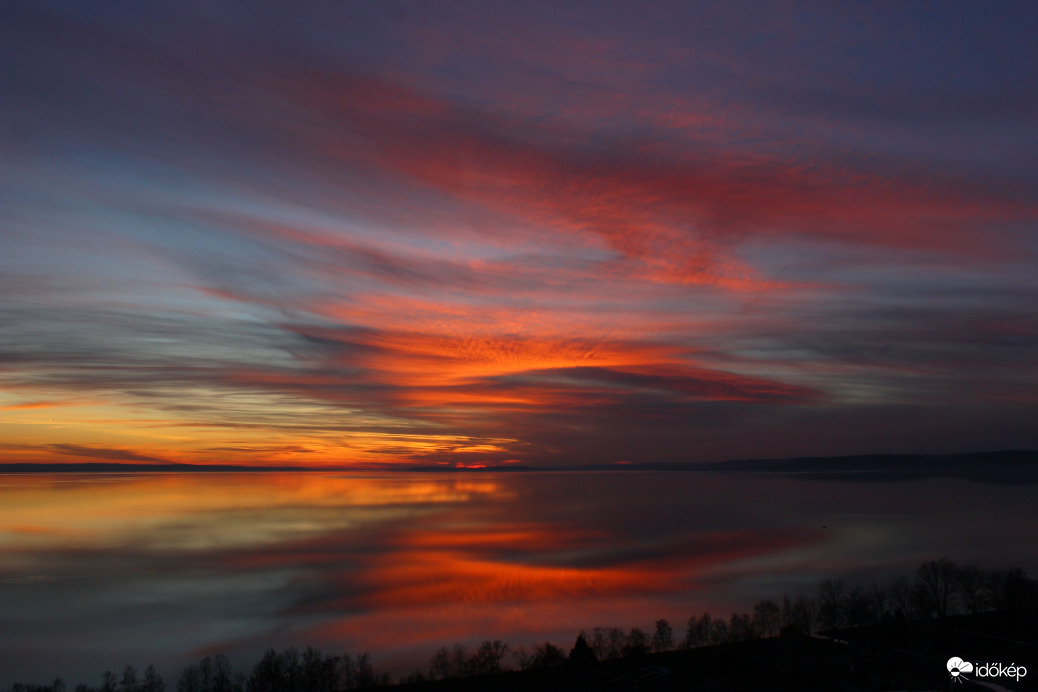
column 375, row 234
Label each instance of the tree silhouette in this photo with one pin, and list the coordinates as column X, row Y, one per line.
column 702, row 629
column 487, row 658
column 523, row 658
column 459, row 660
column 718, row 631
column 547, row 655
column 348, row 671
column 800, row 617
column 440, row 664
column 265, row 675
column 599, row 642
column 740, row 628
column 152, row 680
column 936, row 580
column 1010, row 588
column 637, row 642
column 190, row 680
column 860, row 608
column 129, row 682
column 663, row 636
column 221, row 675
column 617, row 639
column 832, row 613
column 766, row 617
column 899, row 593
column 581, row 655
column 367, row 676
column 319, row 671
column 970, row 588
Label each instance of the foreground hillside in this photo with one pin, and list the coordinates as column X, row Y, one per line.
column 887, row 656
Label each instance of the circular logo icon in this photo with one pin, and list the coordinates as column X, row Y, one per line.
column 956, row 666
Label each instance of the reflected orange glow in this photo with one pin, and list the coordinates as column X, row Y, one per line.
column 436, row 585
column 403, row 563
column 110, row 508
column 444, row 577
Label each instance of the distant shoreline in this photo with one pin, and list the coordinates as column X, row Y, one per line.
column 1008, row 466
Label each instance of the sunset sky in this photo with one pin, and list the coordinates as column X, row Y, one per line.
column 378, row 233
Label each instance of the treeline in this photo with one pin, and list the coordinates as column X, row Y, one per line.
column 110, row 682
column 491, row 656
column 938, row 588
column 288, row 671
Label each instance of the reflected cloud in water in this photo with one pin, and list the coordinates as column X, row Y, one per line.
column 100, row 571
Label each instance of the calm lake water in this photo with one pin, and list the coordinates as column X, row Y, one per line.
column 103, row 570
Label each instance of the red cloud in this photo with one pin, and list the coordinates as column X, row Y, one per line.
column 674, row 218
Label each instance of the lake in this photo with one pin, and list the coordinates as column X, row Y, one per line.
column 98, row 571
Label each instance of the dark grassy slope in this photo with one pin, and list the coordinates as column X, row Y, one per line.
column 887, row 656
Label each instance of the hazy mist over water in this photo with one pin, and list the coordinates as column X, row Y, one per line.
column 97, row 571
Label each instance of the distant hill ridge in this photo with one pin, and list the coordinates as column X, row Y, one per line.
column 999, row 466
column 1006, row 466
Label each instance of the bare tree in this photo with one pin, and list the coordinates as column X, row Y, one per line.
column 206, row 674
column 803, row 615
column 153, row 682
column 459, row 660
column 740, row 628
column 129, row 682
column 766, row 618
column 692, row 633
column 548, row 655
column 900, row 595
column 600, row 642
column 191, row 681
column 663, row 637
column 718, row 631
column 637, row 642
column 704, row 629
column 221, row 679
column 292, row 675
column 879, row 598
column 487, row 658
column 1010, row 588
column 440, row 664
column 367, row 676
column 523, row 658
column 617, row 640
column 970, row 587
column 320, row 672
column 936, row 580
column 832, row 595
column 860, row 608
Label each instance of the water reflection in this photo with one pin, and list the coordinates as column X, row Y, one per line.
column 100, row 571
